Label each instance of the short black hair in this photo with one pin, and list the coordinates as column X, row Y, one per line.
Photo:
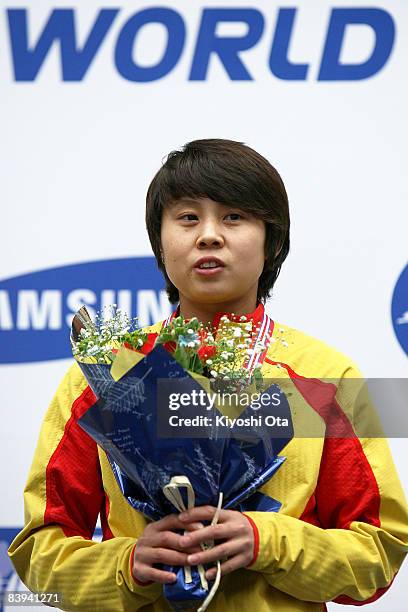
column 227, row 172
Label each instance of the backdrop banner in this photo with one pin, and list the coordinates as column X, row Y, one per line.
column 96, row 94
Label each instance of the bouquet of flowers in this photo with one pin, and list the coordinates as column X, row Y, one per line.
column 132, row 374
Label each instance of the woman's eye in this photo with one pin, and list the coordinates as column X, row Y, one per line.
column 188, row 215
column 193, row 217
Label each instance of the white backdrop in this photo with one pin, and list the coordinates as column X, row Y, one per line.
column 77, row 157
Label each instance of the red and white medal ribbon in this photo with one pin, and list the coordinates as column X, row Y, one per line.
column 263, row 337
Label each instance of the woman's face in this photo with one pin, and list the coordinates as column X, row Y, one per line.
column 193, row 229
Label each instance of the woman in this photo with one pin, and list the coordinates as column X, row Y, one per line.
column 218, row 221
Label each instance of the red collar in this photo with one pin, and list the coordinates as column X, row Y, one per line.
column 255, row 316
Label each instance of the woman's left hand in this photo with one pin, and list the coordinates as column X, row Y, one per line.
column 233, row 528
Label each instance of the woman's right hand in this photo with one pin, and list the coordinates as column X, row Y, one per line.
column 160, row 544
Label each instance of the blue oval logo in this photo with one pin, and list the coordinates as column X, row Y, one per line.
column 399, row 309
column 36, row 309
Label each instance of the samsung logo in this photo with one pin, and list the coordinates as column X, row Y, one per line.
column 127, row 37
column 36, row 309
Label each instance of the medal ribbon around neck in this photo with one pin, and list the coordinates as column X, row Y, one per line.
column 264, row 335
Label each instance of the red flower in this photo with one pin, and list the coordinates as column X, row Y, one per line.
column 206, row 352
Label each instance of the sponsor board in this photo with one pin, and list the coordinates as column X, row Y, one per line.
column 36, row 309
column 399, row 309
column 28, row 54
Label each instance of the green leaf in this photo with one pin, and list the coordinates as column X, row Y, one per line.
column 196, row 365
column 182, row 357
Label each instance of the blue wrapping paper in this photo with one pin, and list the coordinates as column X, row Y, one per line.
column 124, row 422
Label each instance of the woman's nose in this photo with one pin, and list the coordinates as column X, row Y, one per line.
column 210, row 234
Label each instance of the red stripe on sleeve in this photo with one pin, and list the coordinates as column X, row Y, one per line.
column 256, row 539
column 104, row 513
column 310, row 512
column 74, row 491
column 132, row 554
column 347, row 489
column 348, row 601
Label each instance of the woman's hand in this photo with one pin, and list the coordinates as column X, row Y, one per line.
column 159, row 544
column 233, row 528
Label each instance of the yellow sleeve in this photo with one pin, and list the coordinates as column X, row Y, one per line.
column 63, row 496
column 352, row 550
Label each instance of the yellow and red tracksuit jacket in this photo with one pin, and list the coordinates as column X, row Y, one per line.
column 340, row 535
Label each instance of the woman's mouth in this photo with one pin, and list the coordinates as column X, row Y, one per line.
column 209, row 271
column 208, row 266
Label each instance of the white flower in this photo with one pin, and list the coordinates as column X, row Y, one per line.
column 214, row 373
column 230, row 342
column 237, row 332
column 191, row 344
column 209, row 361
column 190, row 331
column 93, row 350
column 224, row 355
column 243, row 318
column 123, row 331
column 248, row 327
